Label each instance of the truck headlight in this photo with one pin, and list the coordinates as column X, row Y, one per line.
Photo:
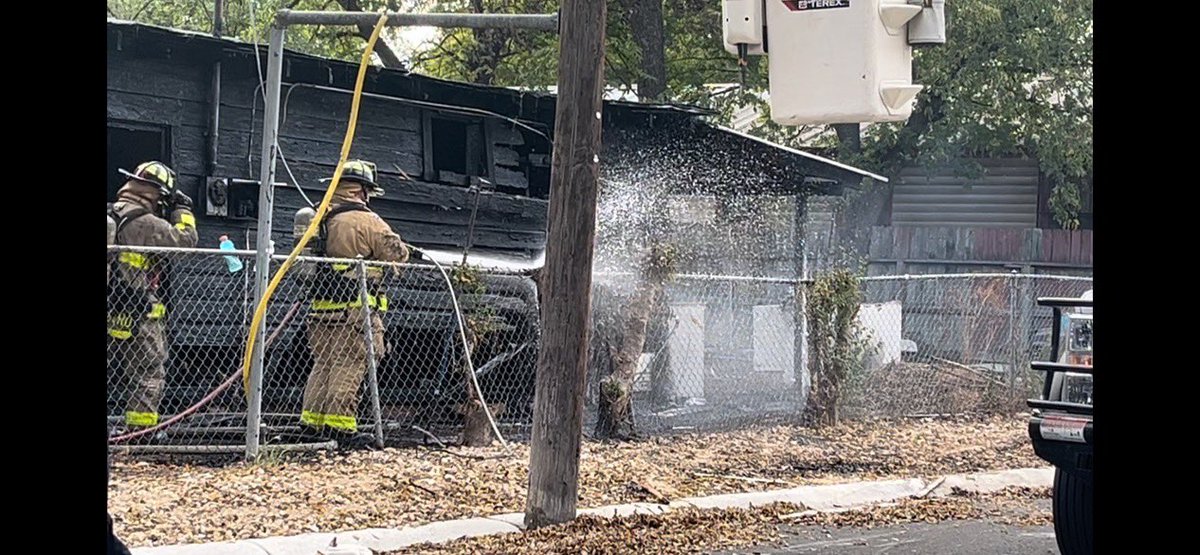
column 1077, row 388
column 1079, row 333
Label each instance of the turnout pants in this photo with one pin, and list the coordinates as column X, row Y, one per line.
column 339, row 349
column 142, row 354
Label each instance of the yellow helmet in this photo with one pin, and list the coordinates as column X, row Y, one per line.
column 361, row 171
column 154, row 173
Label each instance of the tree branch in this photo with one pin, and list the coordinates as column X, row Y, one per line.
column 140, row 10
column 625, row 83
column 431, row 54
column 389, row 58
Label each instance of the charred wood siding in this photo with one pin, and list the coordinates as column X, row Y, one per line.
column 146, row 86
column 428, row 214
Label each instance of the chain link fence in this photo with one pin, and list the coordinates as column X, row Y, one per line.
column 376, row 349
column 351, row 347
column 954, row 344
column 724, row 352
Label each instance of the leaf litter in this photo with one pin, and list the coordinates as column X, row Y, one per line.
column 159, row 504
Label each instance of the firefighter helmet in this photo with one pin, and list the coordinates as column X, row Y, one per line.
column 361, row 171
column 156, row 174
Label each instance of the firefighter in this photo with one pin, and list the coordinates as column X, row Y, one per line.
column 150, row 212
column 336, row 332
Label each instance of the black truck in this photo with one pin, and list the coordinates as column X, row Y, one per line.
column 1061, row 421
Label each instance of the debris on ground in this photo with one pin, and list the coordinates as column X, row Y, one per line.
column 687, row 530
column 1008, row 506
column 691, row 530
column 160, row 504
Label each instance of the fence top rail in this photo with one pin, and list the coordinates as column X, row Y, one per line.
column 993, row 275
column 712, row 277
column 903, row 277
column 502, row 271
column 538, row 22
column 316, row 259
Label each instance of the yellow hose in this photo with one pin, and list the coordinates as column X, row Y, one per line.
column 261, row 309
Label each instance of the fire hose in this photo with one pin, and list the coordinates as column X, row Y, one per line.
column 260, row 310
column 212, row 394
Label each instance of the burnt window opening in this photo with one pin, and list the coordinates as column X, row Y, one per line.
column 535, row 155
column 458, row 150
column 131, row 143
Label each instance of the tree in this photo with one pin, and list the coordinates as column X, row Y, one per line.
column 645, row 20
column 470, row 285
column 624, row 345
column 838, row 348
column 1014, row 78
column 249, row 21
column 653, row 47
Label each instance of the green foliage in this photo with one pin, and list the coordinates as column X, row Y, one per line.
column 1014, row 79
column 492, row 56
column 838, row 347
column 480, row 316
column 1065, row 205
column 249, row 20
column 694, row 52
column 660, row 262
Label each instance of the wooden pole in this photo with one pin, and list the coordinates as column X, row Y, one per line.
column 567, row 283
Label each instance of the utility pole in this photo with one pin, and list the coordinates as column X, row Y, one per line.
column 567, row 284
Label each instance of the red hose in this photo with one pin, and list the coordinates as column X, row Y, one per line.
column 211, row 395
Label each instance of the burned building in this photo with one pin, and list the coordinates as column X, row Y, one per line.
column 194, row 102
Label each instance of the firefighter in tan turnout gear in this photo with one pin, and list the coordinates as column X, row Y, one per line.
column 336, row 331
column 149, row 212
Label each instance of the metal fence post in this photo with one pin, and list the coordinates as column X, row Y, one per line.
column 1024, row 321
column 805, row 377
column 368, row 329
column 266, row 201
column 1013, row 359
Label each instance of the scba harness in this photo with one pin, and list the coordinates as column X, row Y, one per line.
column 331, row 285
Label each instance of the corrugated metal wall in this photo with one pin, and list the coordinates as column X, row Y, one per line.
column 1005, row 196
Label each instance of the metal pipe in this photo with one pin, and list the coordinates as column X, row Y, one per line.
column 539, row 22
column 266, row 203
column 214, row 124
column 712, row 277
column 471, row 225
column 219, row 449
column 372, row 370
column 925, row 277
column 315, row 259
column 805, row 378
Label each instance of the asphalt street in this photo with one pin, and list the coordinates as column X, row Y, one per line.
column 983, row 537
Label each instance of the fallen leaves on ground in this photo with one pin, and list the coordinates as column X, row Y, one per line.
column 692, row 530
column 1007, row 506
column 681, row 531
column 157, row 504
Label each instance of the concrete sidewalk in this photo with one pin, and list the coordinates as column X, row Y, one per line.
column 824, row 498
